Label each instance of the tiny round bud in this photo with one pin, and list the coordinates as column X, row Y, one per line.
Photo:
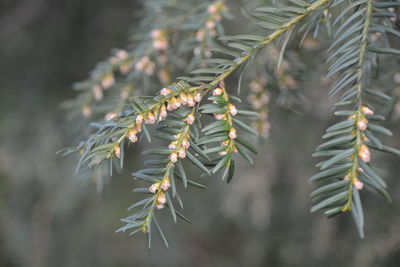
column 212, row 9
column 232, row 133
column 362, row 124
column 139, row 119
column 154, row 188
column 182, row 152
column 217, row 91
column 117, row 151
column 364, row 153
column 185, row 143
column 122, row 54
column 219, row 116
column 173, row 145
column 161, row 199
column 151, row 118
column 367, row 110
column 109, row 116
column 232, row 109
column 191, row 102
column 173, row 157
column 223, row 153
column 166, row 184
column 86, row 111
column 210, row 25
column 190, row 119
column 108, row 80
column 97, row 93
column 165, row 91
column 163, row 112
column 197, row 97
column 132, row 135
column 184, row 99
column 358, row 184
column 156, row 33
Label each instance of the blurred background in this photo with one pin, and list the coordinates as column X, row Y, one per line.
column 49, row 218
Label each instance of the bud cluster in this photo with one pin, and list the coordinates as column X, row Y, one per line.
column 362, row 124
column 181, row 142
column 183, row 99
column 362, row 150
column 230, row 111
column 160, row 41
column 178, row 148
column 122, row 60
column 146, row 65
column 259, row 98
column 210, row 27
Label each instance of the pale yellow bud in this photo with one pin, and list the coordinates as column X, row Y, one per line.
column 190, row 119
column 173, row 157
column 358, row 184
column 86, row 111
column 161, row 199
column 217, row 91
column 97, row 93
column 139, row 119
column 364, row 153
column 166, row 184
column 109, row 116
column 232, row 133
column 117, row 151
column 362, row 124
column 182, row 152
column 367, row 110
column 232, row 109
column 154, row 188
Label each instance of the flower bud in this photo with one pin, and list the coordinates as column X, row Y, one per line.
column 122, row 54
column 109, row 116
column 358, row 184
column 154, row 188
column 132, row 135
column 97, row 93
column 173, row 157
column 184, row 99
column 117, row 151
column 156, row 33
column 219, row 116
column 151, row 118
column 362, row 124
column 364, row 153
column 161, row 199
column 182, row 152
column 166, row 184
column 210, row 25
column 86, row 111
column 173, row 145
column 232, row 133
column 232, row 109
column 139, row 119
column 163, row 112
column 165, row 91
column 217, row 91
column 191, row 102
column 197, row 97
column 190, row 119
column 185, row 143
column 367, row 110
column 108, row 80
